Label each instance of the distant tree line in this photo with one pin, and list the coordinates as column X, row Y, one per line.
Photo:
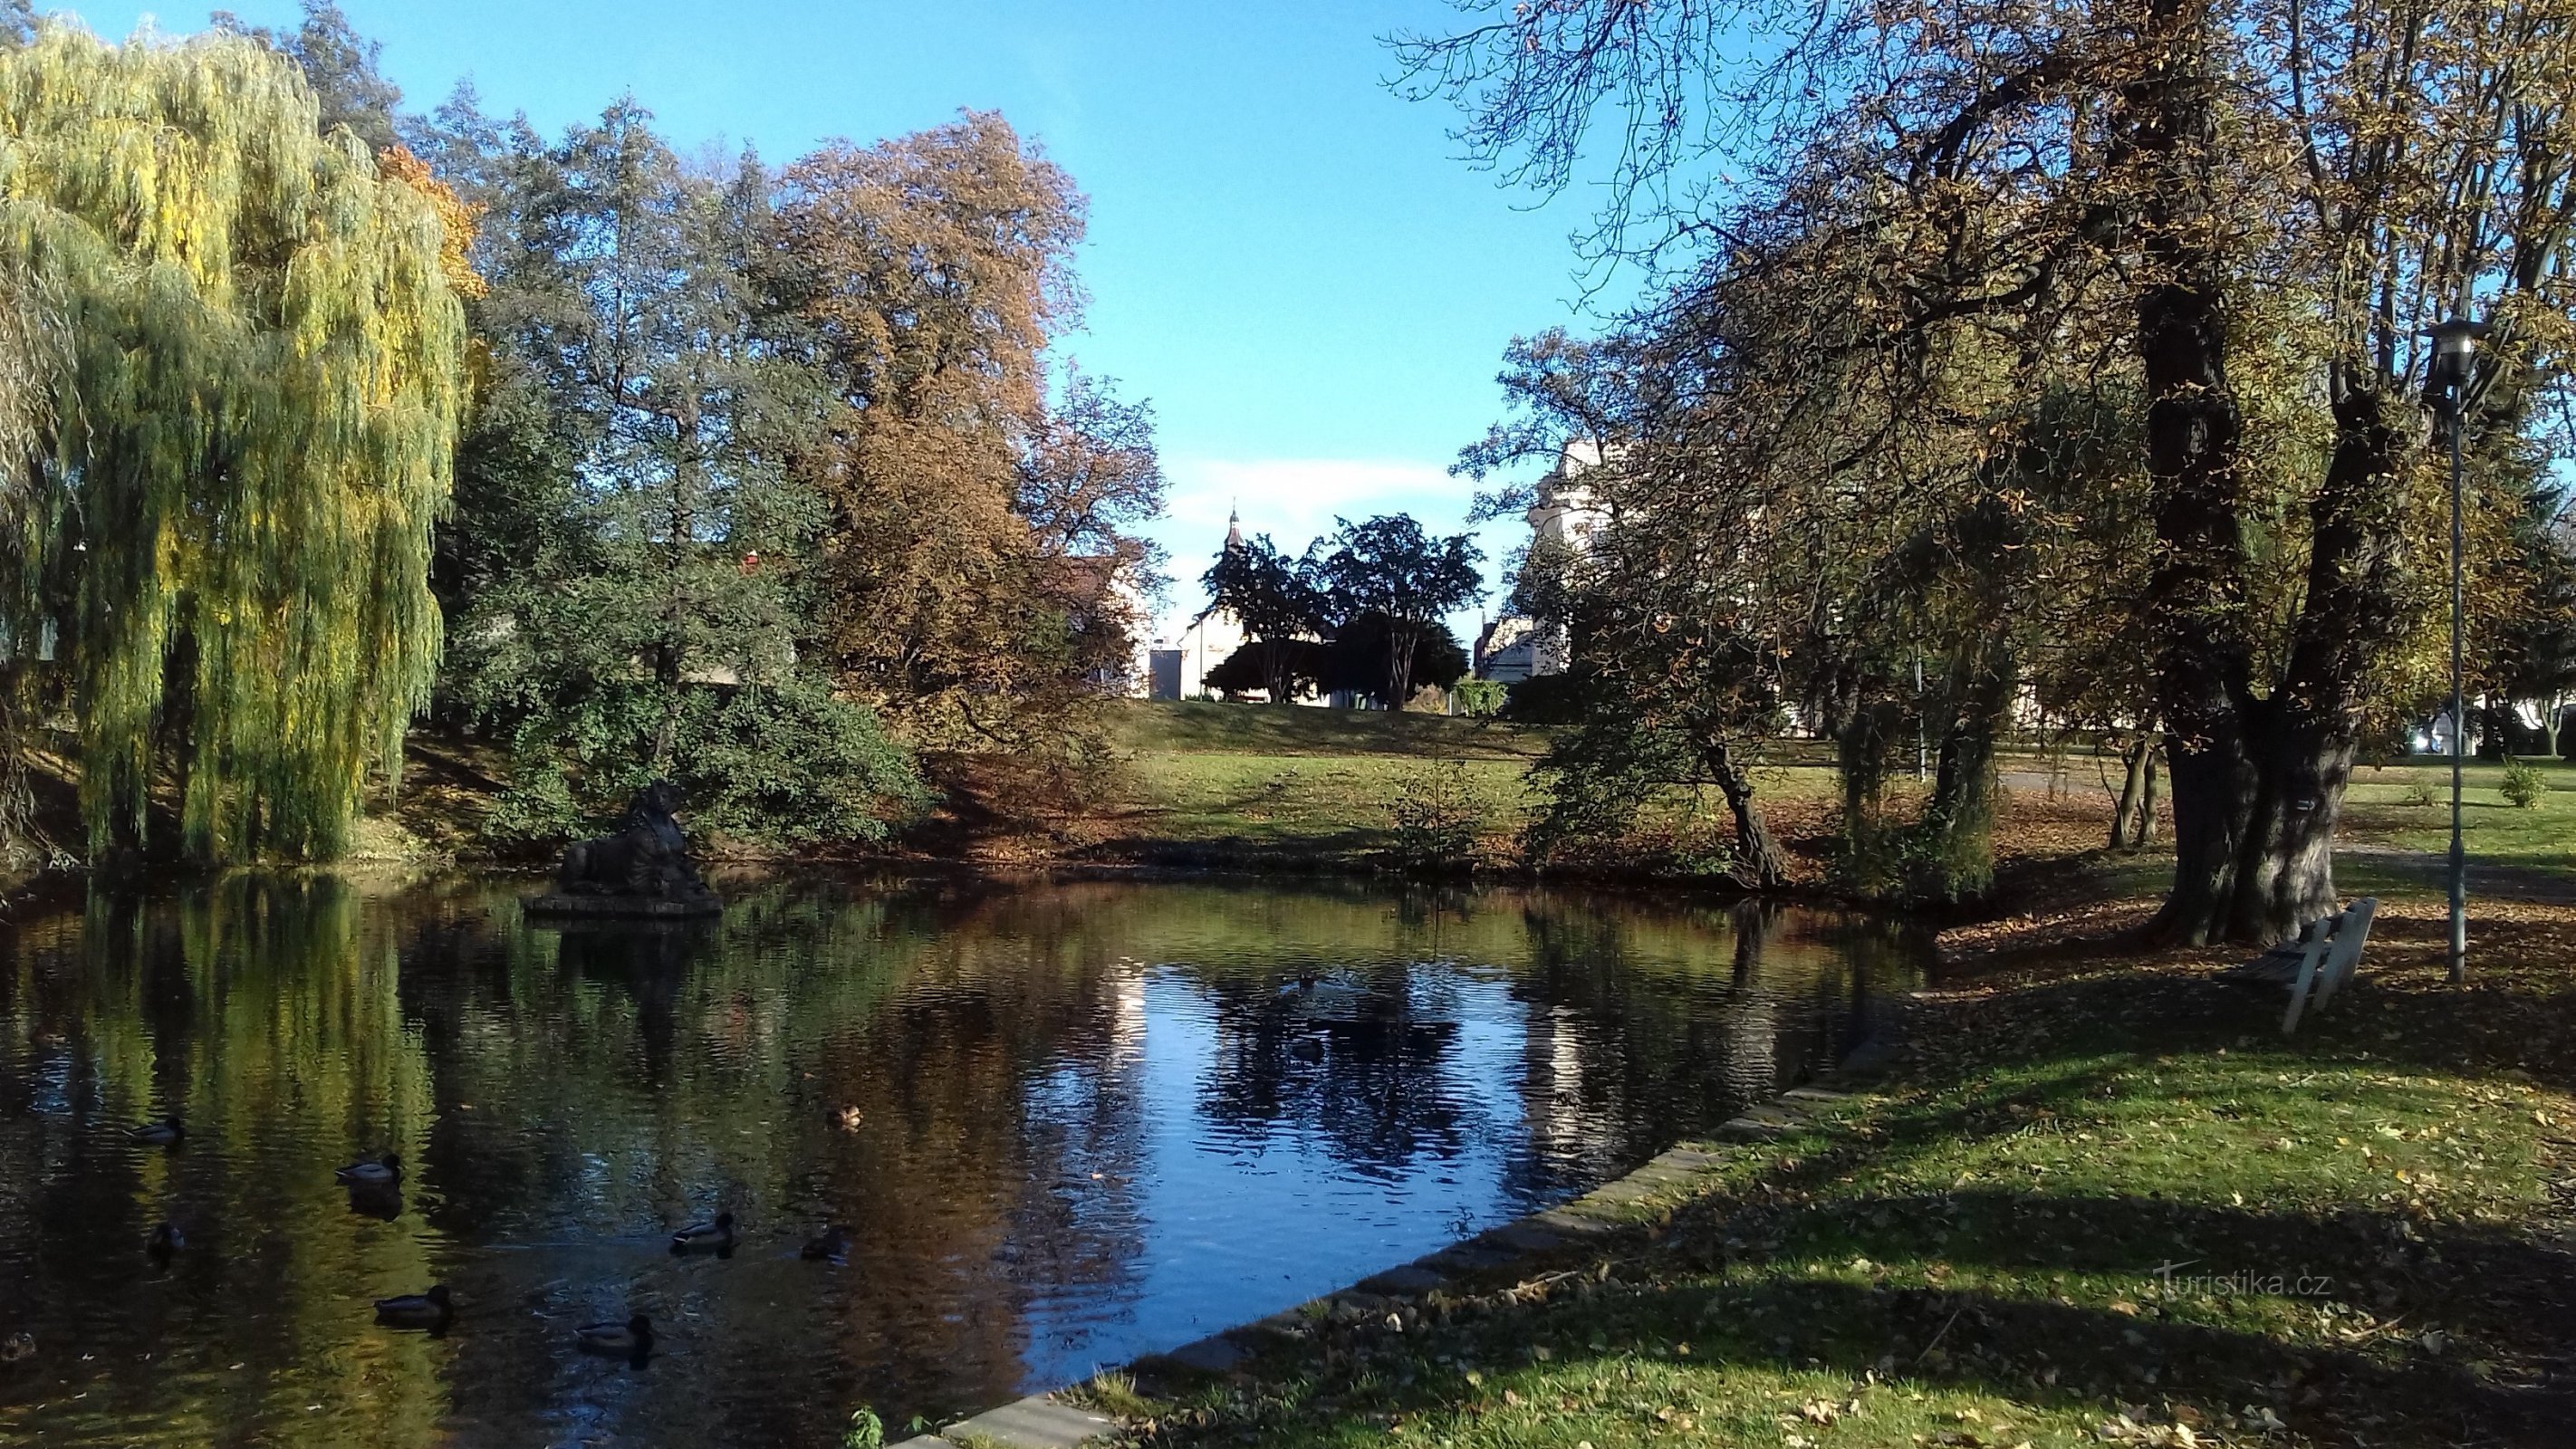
column 1360, row 612
column 770, row 480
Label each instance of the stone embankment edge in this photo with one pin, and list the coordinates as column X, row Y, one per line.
column 1047, row 1421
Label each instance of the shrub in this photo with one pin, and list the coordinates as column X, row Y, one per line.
column 1437, row 821
column 2524, row 783
column 1545, row 699
column 1480, row 698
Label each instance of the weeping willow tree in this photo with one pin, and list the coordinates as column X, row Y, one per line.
column 241, row 416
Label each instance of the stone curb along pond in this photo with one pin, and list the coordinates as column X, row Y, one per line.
column 1643, row 1197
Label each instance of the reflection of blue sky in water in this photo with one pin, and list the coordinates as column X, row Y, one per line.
column 1063, row 1155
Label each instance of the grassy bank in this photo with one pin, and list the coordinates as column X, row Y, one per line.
column 2100, row 1200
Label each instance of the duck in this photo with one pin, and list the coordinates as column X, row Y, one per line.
column 832, row 1246
column 716, row 1237
column 430, row 1310
column 165, row 1240
column 633, row 1338
column 165, row 1133
column 362, row 1173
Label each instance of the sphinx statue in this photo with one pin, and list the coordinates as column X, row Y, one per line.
column 642, row 870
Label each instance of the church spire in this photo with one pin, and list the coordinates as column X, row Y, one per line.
column 1233, row 529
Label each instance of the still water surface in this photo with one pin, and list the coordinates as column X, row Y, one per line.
column 1070, row 1123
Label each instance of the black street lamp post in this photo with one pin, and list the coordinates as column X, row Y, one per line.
column 2455, row 344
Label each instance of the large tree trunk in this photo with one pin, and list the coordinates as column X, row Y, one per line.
column 1959, row 818
column 2170, row 133
column 2310, row 728
column 1759, row 863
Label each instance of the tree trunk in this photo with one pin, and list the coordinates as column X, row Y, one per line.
column 2146, row 830
column 2309, row 730
column 1278, row 669
column 1759, row 863
column 2201, row 663
column 1401, row 643
column 1958, row 821
column 2133, row 785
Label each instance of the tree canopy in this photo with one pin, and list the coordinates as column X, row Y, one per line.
column 255, row 366
column 2071, row 349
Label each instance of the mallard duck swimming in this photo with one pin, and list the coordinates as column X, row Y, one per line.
column 165, row 1133
column 833, row 1245
column 633, row 1338
column 382, row 1172
column 714, row 1237
column 164, row 1241
column 431, row 1310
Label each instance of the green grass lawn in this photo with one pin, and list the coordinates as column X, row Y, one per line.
column 1198, row 727
column 1269, row 782
column 2101, row 1208
column 1320, row 784
column 2409, row 806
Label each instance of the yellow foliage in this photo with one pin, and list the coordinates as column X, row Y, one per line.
column 257, row 403
column 458, row 219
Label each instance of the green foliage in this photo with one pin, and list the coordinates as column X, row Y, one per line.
column 1546, row 699
column 1480, row 698
column 1388, row 565
column 261, row 375
column 1280, row 604
column 2523, row 784
column 778, row 765
column 1263, row 664
column 1372, row 653
column 635, row 581
column 1437, row 821
column 1386, row 576
column 2419, row 793
column 866, row 1430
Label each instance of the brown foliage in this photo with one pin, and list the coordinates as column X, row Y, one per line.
column 928, row 275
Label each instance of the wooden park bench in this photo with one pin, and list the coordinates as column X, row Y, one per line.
column 2316, row 965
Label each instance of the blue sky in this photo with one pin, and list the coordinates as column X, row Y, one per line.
column 1286, row 258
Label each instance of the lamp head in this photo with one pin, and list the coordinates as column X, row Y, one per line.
column 2455, row 345
column 2456, row 336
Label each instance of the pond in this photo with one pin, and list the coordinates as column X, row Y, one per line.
column 1069, row 1124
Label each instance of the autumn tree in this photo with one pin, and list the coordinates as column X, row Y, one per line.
column 2075, row 197
column 644, row 608
column 979, row 540
column 254, row 389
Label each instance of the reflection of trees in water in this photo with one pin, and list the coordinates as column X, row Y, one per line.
column 262, row 1010
column 564, row 1096
column 1361, row 1057
column 713, row 1069
column 1631, row 1044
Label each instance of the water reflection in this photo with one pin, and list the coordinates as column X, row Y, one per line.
column 1067, row 1124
